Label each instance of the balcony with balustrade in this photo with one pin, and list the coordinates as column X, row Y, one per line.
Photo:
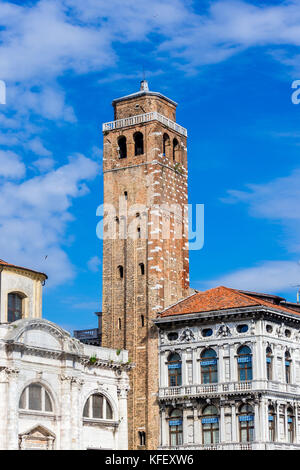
column 91, row 336
column 190, row 391
column 144, row 118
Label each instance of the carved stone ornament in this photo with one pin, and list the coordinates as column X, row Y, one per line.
column 224, row 331
column 187, row 335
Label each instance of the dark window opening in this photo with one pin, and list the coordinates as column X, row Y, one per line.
column 175, row 150
column 139, row 232
column 142, row 438
column 125, row 195
column 122, row 147
column 120, row 324
column 142, row 268
column 138, row 143
column 172, row 336
column 166, row 145
column 142, row 320
column 15, row 307
column 121, row 272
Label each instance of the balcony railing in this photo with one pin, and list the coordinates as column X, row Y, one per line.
column 87, row 334
column 236, row 446
column 227, row 387
column 141, row 118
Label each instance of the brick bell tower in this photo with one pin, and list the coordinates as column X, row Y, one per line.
column 145, row 246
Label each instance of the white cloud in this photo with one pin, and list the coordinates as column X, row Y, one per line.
column 37, row 146
column 267, row 277
column 94, row 264
column 277, row 200
column 11, row 166
column 34, row 217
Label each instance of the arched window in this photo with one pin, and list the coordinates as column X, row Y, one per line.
column 272, row 423
column 98, row 407
column 288, row 363
column 209, row 367
column 175, row 150
column 121, row 272
column 246, row 423
column 244, row 363
column 174, row 369
column 138, row 143
column 139, row 233
column 269, row 358
column 15, row 304
column 210, row 425
column 290, row 425
column 166, row 145
column 175, row 425
column 122, row 147
column 142, row 268
column 36, row 398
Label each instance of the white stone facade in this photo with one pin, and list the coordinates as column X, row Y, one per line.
column 272, row 395
column 56, row 392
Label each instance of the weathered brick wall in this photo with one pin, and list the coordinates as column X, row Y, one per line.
column 150, row 179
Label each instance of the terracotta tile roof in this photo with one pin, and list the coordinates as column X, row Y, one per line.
column 4, row 263
column 219, row 298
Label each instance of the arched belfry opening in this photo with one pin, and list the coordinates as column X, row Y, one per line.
column 122, row 144
column 138, row 143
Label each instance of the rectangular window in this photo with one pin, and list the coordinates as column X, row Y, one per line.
column 35, row 397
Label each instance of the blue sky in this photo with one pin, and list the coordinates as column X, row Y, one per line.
column 228, row 64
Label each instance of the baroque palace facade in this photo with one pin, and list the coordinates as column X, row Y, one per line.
column 230, row 372
column 56, row 393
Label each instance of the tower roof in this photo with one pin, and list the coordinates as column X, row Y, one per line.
column 144, row 91
column 9, row 265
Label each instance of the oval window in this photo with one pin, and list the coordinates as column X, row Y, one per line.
column 288, row 333
column 242, row 328
column 269, row 329
column 207, row 332
column 172, row 336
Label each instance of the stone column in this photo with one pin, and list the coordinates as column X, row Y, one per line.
column 277, row 437
column 76, row 415
column 123, row 426
column 233, row 423
column 3, row 408
column 233, row 366
column 296, row 440
column 195, row 371
column 264, row 420
column 65, row 424
column 184, row 371
column 12, row 410
column 185, row 424
column 163, row 370
column 197, row 436
column 257, row 429
column 163, row 434
column 221, row 365
column 222, row 423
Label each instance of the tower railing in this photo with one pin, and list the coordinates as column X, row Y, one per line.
column 140, row 118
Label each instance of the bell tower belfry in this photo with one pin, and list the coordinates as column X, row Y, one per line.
column 145, row 246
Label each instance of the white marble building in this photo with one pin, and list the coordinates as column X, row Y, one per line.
column 56, row 392
column 230, row 372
